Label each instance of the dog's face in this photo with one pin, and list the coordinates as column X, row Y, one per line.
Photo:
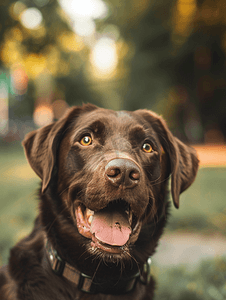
column 108, row 163
column 109, row 171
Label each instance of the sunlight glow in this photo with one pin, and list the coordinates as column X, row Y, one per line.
column 83, row 13
column 95, row 9
column 104, row 57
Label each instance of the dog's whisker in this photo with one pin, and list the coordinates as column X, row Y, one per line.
column 159, row 182
column 67, row 188
column 50, row 227
column 85, row 252
column 96, row 270
column 132, row 258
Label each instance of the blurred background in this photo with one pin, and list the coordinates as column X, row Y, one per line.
column 165, row 55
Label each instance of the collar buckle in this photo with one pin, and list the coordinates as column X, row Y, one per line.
column 56, row 262
column 145, row 276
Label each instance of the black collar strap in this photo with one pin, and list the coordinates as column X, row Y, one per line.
column 86, row 283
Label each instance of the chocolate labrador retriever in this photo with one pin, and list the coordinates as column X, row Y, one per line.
column 104, row 202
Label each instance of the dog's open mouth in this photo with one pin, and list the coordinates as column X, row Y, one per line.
column 111, row 228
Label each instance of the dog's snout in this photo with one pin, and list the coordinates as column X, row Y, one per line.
column 122, row 171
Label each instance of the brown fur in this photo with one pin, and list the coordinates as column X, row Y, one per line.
column 72, row 174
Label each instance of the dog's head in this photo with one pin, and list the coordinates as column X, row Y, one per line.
column 104, row 174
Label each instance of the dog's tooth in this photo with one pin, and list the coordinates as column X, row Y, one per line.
column 89, row 212
column 90, row 219
column 89, row 215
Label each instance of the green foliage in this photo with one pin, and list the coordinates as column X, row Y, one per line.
column 207, row 281
column 202, row 206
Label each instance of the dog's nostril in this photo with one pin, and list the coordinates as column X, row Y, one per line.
column 134, row 175
column 113, row 172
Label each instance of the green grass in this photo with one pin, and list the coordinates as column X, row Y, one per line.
column 202, row 206
column 16, row 177
column 18, row 185
column 207, row 282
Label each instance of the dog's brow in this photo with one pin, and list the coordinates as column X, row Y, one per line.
column 137, row 129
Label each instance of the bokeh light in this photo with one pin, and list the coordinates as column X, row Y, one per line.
column 31, row 18
column 43, row 115
column 17, row 8
column 4, row 107
column 85, row 27
column 184, row 15
column 20, row 81
column 35, row 64
column 104, row 57
column 41, row 3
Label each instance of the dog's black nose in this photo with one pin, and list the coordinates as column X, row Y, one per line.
column 122, row 171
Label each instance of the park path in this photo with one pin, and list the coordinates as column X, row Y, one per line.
column 188, row 249
column 191, row 248
column 211, row 155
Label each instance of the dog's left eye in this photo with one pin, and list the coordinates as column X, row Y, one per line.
column 147, row 148
column 86, row 141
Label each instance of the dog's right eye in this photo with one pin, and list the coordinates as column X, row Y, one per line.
column 147, row 148
column 86, row 141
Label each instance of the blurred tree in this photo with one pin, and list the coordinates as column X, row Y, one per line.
column 37, row 39
column 166, row 55
column 178, row 68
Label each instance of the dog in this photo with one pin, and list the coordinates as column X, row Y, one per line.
column 104, row 202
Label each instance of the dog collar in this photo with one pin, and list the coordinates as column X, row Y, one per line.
column 87, row 284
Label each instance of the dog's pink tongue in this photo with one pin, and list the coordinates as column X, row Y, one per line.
column 111, row 227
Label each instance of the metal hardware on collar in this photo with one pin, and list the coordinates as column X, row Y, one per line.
column 86, row 283
column 145, row 276
column 56, row 262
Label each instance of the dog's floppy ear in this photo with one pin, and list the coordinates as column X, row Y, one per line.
column 183, row 159
column 41, row 145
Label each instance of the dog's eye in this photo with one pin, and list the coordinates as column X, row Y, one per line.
column 86, row 141
column 147, row 148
